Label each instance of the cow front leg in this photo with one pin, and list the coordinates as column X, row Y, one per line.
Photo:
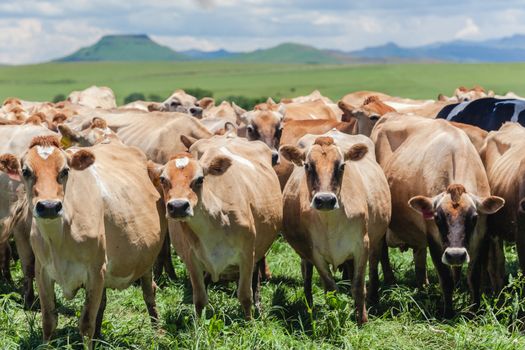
column 325, row 274
column 375, row 255
column 100, row 315
column 256, row 285
column 5, row 258
column 388, row 273
column 445, row 277
column 420, row 262
column 358, row 283
column 46, row 291
column 148, row 292
column 200, row 297
column 307, row 269
column 88, row 317
column 244, row 291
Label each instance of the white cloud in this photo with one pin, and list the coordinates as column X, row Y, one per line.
column 181, row 43
column 469, row 30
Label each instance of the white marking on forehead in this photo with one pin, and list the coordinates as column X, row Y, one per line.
column 237, row 158
column 44, row 151
column 182, row 162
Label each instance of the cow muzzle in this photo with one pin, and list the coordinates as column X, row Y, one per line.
column 48, row 209
column 196, row 112
column 179, row 209
column 275, row 158
column 325, row 201
column 455, row 257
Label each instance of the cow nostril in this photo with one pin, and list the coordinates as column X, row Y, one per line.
column 48, row 209
column 275, row 158
column 58, row 207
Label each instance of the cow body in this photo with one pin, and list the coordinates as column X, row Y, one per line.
column 487, row 113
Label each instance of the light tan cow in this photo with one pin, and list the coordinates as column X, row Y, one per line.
column 366, row 115
column 100, row 231
column 14, row 218
column 224, row 211
column 336, row 208
column 179, row 101
column 440, row 197
column 94, row 97
column 504, row 161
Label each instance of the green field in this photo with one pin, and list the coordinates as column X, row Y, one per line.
column 43, row 82
column 406, row 318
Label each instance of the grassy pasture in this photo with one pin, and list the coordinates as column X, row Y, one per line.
column 405, row 318
column 44, row 81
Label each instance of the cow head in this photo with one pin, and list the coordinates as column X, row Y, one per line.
column 265, row 126
column 324, row 165
column 455, row 213
column 97, row 132
column 464, row 94
column 44, row 169
column 181, row 102
column 367, row 114
column 182, row 179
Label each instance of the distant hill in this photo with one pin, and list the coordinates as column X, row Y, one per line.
column 142, row 48
column 125, row 48
column 509, row 49
column 290, row 53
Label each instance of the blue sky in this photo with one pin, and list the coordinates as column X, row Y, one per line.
column 36, row 31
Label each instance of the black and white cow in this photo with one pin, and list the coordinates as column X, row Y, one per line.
column 486, row 113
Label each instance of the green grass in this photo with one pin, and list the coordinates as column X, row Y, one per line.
column 43, row 82
column 406, row 318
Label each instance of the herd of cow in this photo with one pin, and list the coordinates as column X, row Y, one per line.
column 89, row 191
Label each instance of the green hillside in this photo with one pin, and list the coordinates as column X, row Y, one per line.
column 289, row 53
column 124, row 48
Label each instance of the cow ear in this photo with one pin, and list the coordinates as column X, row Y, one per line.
column 490, row 205
column 154, row 107
column 239, row 111
column 423, row 205
column 218, row 165
column 81, row 160
column 187, row 141
column 206, row 102
column 293, row 154
column 10, row 165
column 357, row 152
column 154, row 171
column 69, row 136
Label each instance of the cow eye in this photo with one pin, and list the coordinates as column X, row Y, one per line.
column 198, row 181
column 342, row 166
column 26, row 173
column 307, row 166
column 374, row 117
column 174, row 103
column 63, row 174
column 164, row 181
column 250, row 129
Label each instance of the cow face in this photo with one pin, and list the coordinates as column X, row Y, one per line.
column 182, row 102
column 456, row 214
column 463, row 94
column 366, row 115
column 324, row 165
column 182, row 179
column 44, row 170
column 97, row 132
column 265, row 126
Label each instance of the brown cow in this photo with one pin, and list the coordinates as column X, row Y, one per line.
column 336, row 209
column 504, row 161
column 367, row 114
column 224, row 211
column 107, row 239
column 440, row 197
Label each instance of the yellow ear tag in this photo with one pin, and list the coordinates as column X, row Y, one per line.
column 65, row 142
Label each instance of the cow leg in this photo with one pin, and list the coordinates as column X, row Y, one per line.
column 358, row 283
column 388, row 273
column 474, row 273
column 88, row 318
column 5, row 258
column 100, row 315
column 307, row 269
column 496, row 264
column 375, row 254
column 445, row 276
column 256, row 285
column 456, row 275
column 420, row 261
column 200, row 297
column 164, row 262
column 520, row 239
column 27, row 260
column 324, row 273
column 348, row 270
column 148, row 292
column 46, row 292
column 244, row 291
column 266, row 274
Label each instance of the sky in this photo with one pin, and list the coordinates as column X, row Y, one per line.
column 37, row 31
